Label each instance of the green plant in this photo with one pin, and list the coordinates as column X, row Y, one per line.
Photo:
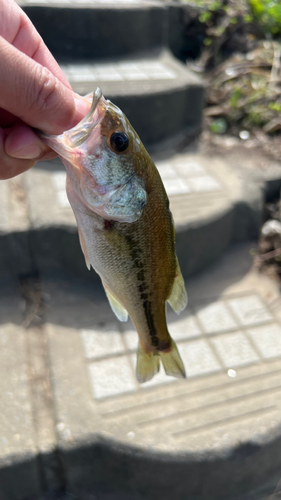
column 268, row 14
column 218, row 126
column 275, row 106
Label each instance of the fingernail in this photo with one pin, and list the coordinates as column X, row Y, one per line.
column 28, row 153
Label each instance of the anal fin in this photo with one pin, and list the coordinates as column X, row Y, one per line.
column 117, row 308
column 178, row 296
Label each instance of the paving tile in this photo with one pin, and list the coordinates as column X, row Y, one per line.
column 183, row 328
column 198, row 358
column 234, row 349
column 267, row 340
column 130, row 336
column 102, row 341
column 111, row 376
column 202, row 184
column 250, row 310
column 130, row 71
column 166, row 170
column 215, row 318
column 176, row 186
column 189, row 168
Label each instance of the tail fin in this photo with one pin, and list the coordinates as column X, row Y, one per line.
column 148, row 364
column 172, row 362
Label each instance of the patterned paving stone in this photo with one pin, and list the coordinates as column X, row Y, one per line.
column 215, row 318
column 130, row 337
column 103, row 345
column 183, row 328
column 104, row 340
column 118, row 72
column 234, row 349
column 250, row 310
column 112, row 376
column 198, row 358
column 267, row 340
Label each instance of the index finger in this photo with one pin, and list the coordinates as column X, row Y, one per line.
column 18, row 30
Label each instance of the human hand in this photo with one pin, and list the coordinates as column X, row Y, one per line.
column 34, row 93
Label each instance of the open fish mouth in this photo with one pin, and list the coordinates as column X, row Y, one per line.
column 65, row 143
column 80, row 133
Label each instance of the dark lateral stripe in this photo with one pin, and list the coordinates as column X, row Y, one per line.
column 135, row 253
column 150, row 323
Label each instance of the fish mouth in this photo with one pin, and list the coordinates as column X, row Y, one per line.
column 65, row 143
column 80, row 133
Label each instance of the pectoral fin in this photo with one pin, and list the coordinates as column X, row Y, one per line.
column 116, row 307
column 84, row 249
column 178, row 296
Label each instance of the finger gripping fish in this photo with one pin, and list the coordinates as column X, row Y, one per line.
column 125, row 227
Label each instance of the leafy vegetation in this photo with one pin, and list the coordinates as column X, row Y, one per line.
column 245, row 91
column 268, row 15
column 241, row 59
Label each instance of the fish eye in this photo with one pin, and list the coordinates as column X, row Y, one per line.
column 119, row 141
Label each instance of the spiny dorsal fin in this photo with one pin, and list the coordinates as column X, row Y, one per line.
column 178, row 296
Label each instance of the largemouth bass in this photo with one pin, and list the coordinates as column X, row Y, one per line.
column 125, row 227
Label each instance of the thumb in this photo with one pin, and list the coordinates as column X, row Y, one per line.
column 32, row 93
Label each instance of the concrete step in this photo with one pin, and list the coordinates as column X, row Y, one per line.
column 115, row 439
column 97, row 29
column 129, row 41
column 160, row 97
column 211, row 206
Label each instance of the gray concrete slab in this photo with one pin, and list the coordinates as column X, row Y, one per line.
column 15, row 255
column 19, row 471
column 221, row 424
column 207, row 199
column 169, row 19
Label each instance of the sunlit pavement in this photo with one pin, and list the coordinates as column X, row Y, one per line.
column 70, row 397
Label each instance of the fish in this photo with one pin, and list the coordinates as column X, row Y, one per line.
column 125, row 228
